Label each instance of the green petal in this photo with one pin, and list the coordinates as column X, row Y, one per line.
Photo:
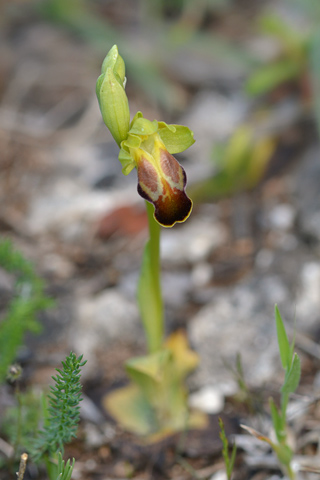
column 178, row 140
column 137, row 115
column 142, row 126
column 172, row 128
column 132, row 141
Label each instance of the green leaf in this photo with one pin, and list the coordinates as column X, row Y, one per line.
column 268, row 77
column 142, row 369
column 284, row 454
column 157, row 401
column 178, row 140
column 238, row 150
column 292, row 377
column 130, row 407
column 284, row 346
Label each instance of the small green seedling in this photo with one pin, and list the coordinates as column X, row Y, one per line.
column 228, row 460
column 291, row 365
column 155, row 402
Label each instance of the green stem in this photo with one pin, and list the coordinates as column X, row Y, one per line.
column 154, row 241
column 149, row 288
column 291, row 474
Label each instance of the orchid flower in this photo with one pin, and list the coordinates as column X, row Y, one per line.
column 145, row 145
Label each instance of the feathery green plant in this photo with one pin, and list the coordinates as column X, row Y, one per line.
column 28, row 300
column 60, row 410
column 62, row 414
column 64, row 469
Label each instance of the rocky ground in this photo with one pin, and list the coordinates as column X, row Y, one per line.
column 67, row 207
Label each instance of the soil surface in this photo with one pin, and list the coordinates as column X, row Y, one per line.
column 66, row 206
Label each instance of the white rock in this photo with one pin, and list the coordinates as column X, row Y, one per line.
column 282, row 216
column 235, row 321
column 274, row 289
column 102, row 319
column 57, row 265
column 89, row 411
column 201, row 274
column 70, row 209
column 213, row 117
column 220, row 475
column 208, row 399
column 264, row 259
column 308, row 301
column 193, row 242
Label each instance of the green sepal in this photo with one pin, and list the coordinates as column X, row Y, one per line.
column 98, row 87
column 137, row 115
column 125, row 157
column 126, row 161
column 176, row 138
column 111, row 95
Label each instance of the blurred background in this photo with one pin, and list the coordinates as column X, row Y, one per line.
column 245, row 77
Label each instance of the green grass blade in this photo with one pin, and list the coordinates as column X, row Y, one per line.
column 284, row 346
column 315, row 75
column 273, row 25
column 276, row 419
column 293, row 377
column 268, row 77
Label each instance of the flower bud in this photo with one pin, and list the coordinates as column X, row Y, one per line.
column 112, row 97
